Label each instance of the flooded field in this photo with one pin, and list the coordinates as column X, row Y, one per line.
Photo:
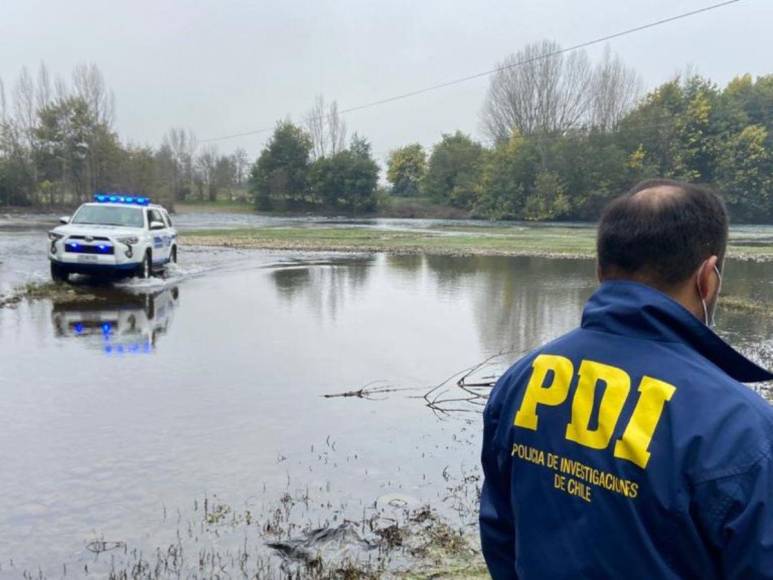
column 197, row 422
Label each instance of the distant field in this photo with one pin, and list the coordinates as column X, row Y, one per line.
column 516, row 240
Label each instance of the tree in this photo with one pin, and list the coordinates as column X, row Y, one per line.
column 406, row 168
column 454, row 170
column 746, row 175
column 548, row 201
column 326, row 129
column 183, row 145
column 346, row 180
column 614, row 91
column 206, row 161
column 225, row 175
column 240, row 161
column 541, row 90
column 361, row 177
column 281, row 170
column 538, row 90
column 508, row 174
column 63, row 136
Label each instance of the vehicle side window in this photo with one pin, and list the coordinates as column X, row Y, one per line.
column 167, row 219
column 154, row 216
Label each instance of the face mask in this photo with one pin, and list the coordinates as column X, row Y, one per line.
column 709, row 320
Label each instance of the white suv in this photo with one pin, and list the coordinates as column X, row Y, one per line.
column 115, row 234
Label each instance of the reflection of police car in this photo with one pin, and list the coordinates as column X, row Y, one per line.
column 115, row 234
column 118, row 322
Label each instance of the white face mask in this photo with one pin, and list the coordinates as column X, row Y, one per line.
column 709, row 320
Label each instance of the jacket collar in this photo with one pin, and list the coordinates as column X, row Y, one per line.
column 634, row 309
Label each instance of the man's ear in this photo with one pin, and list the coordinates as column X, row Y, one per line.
column 707, row 279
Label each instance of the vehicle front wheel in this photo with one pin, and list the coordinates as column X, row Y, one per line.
column 59, row 273
column 173, row 255
column 146, row 268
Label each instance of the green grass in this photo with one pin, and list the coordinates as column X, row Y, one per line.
column 463, row 241
column 537, row 240
column 515, row 240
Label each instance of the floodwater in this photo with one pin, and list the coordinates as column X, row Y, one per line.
column 124, row 405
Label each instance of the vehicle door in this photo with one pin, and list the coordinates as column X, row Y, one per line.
column 162, row 239
column 170, row 226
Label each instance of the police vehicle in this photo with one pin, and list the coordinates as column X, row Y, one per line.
column 113, row 235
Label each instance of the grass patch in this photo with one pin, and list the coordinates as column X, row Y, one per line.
column 515, row 240
column 56, row 292
column 740, row 304
column 560, row 242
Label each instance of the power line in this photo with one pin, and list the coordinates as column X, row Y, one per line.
column 471, row 77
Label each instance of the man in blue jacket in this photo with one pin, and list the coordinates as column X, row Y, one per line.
column 629, row 448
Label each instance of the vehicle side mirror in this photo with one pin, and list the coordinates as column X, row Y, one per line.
column 64, row 219
column 157, row 225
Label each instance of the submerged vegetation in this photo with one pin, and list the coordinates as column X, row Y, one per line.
column 299, row 536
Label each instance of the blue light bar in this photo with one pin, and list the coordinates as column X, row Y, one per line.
column 118, row 198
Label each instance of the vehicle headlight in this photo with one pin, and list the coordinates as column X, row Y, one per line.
column 53, row 236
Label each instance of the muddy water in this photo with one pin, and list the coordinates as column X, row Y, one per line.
column 123, row 405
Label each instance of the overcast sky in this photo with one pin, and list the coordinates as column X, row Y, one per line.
column 221, row 67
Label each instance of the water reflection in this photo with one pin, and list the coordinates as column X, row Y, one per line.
column 324, row 286
column 515, row 303
column 114, row 320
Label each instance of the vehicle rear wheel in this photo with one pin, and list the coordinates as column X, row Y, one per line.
column 59, row 273
column 146, row 268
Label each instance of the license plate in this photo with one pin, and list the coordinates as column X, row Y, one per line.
column 87, row 258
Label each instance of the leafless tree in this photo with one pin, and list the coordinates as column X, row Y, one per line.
column 3, row 107
column 183, row 145
column 537, row 90
column 326, row 128
column 44, row 92
column 240, row 161
column 336, row 129
column 206, row 162
column 616, row 88
column 89, row 85
column 540, row 90
column 25, row 112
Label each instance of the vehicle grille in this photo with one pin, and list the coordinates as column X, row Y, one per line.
column 78, row 248
column 95, row 238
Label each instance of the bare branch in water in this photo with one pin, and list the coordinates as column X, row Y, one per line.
column 367, row 392
column 466, row 391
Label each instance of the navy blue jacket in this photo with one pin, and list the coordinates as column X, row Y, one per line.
column 629, row 448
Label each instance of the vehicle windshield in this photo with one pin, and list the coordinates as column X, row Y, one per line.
column 109, row 215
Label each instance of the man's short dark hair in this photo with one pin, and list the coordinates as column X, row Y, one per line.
column 661, row 231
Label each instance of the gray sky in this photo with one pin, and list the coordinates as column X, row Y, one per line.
column 226, row 66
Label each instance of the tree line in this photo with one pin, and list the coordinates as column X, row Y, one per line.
column 563, row 135
column 58, row 145
column 566, row 137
